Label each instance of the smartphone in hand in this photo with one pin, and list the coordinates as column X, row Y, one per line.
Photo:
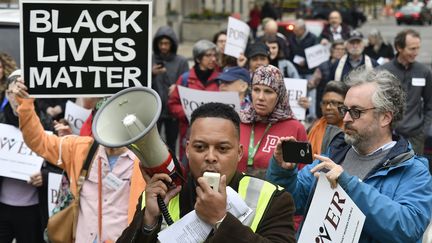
column 297, row 152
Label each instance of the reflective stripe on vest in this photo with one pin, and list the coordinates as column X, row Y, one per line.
column 255, row 192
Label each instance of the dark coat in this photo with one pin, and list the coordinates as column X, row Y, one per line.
column 276, row 224
column 174, row 64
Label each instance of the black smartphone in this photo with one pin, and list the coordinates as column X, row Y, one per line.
column 161, row 64
column 297, row 152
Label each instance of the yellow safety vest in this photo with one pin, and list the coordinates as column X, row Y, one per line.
column 255, row 192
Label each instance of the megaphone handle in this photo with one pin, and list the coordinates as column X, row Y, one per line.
column 164, row 210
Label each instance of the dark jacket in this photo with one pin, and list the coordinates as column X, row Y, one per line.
column 327, row 33
column 347, row 67
column 418, row 113
column 275, row 226
column 298, row 48
column 174, row 64
column 385, row 51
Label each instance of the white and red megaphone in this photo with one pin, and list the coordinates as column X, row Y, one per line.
column 129, row 119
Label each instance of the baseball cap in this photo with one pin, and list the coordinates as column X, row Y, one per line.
column 355, row 35
column 257, row 48
column 231, row 74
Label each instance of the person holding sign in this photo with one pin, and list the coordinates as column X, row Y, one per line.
column 113, row 183
column 20, row 207
column 214, row 146
column 380, row 172
column 258, row 54
column 266, row 120
column 201, row 76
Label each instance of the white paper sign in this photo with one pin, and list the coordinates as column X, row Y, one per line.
column 54, row 181
column 237, row 37
column 298, row 59
column 16, row 159
column 191, row 228
column 332, row 216
column 76, row 116
column 192, row 99
column 296, row 88
column 317, row 54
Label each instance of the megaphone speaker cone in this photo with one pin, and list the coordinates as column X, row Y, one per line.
column 129, row 119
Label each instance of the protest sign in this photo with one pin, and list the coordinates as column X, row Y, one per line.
column 317, row 54
column 54, row 182
column 296, row 88
column 16, row 159
column 75, row 115
column 332, row 216
column 237, row 37
column 72, row 49
column 192, row 99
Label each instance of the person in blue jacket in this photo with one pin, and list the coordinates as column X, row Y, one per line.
column 381, row 173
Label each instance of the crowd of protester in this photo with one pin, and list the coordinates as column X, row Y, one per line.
column 357, row 116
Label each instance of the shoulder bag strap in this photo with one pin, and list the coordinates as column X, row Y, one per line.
column 86, row 166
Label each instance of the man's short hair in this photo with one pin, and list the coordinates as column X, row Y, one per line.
column 389, row 95
column 400, row 39
column 217, row 110
column 337, row 87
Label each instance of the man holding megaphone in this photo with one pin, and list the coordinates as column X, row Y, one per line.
column 113, row 182
column 214, row 146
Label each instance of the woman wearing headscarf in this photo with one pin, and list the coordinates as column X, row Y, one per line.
column 266, row 120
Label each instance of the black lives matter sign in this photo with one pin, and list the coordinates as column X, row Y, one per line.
column 85, row 49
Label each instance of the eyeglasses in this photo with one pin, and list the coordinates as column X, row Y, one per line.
column 332, row 103
column 210, row 55
column 353, row 112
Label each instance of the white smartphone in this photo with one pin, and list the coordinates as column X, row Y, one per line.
column 213, row 180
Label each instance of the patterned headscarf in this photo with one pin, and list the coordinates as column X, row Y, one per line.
column 272, row 77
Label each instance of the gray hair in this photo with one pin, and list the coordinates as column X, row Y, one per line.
column 389, row 95
column 200, row 48
column 300, row 23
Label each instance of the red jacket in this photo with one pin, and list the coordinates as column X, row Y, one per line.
column 284, row 128
column 175, row 106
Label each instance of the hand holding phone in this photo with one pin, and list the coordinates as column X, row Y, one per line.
column 297, row 152
column 213, row 180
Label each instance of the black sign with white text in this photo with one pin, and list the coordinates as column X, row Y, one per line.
column 74, row 49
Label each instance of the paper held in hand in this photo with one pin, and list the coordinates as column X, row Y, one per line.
column 332, row 216
column 237, row 37
column 17, row 160
column 191, row 228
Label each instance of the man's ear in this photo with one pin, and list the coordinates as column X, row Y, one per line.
column 244, row 86
column 386, row 119
column 398, row 49
column 240, row 152
column 187, row 149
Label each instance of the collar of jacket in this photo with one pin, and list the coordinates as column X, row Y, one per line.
column 400, row 65
column 397, row 154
